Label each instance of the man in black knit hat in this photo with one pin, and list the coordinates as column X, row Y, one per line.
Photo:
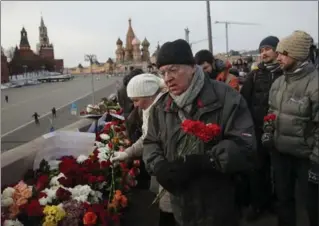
column 256, row 92
column 198, row 178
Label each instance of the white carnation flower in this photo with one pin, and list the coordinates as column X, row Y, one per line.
column 43, row 201
column 12, row 223
column 81, row 158
column 104, row 136
column 102, row 157
column 99, row 144
column 81, row 198
column 55, row 180
column 8, row 192
column 6, row 201
column 105, row 150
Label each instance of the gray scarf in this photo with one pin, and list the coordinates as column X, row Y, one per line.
column 185, row 100
column 272, row 67
column 299, row 67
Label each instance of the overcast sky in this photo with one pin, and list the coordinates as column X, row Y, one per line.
column 76, row 28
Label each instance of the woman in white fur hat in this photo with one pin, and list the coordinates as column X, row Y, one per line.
column 144, row 90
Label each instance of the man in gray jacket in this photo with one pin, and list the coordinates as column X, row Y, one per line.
column 293, row 98
column 198, row 179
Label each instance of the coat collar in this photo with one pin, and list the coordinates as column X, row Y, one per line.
column 207, row 96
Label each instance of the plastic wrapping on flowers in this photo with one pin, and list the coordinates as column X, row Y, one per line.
column 87, row 190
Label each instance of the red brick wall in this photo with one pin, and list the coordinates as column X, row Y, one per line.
column 4, row 69
column 47, row 53
column 59, row 65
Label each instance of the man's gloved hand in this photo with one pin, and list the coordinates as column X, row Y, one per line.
column 173, row 176
column 200, row 163
column 267, row 139
column 119, row 156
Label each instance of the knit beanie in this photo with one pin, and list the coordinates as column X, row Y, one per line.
column 176, row 52
column 270, row 41
column 144, row 85
column 297, row 45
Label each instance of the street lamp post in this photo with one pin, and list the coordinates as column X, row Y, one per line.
column 209, row 27
column 42, row 67
column 25, row 70
column 91, row 58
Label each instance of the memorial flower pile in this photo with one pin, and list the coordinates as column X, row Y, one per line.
column 104, row 106
column 82, row 190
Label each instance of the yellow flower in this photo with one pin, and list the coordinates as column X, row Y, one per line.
column 49, row 210
column 49, row 223
column 54, row 214
column 49, row 218
column 60, row 214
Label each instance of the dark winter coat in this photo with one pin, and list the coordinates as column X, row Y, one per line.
column 124, row 101
column 255, row 91
column 210, row 199
column 134, row 124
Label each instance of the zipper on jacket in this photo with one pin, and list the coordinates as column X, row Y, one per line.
column 279, row 109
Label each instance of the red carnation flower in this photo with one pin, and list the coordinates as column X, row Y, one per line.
column 66, row 182
column 41, row 195
column 62, row 194
column 100, row 179
column 92, row 179
column 272, row 117
column 105, row 164
column 34, row 209
column 42, row 182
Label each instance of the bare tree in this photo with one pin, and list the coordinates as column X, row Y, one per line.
column 10, row 53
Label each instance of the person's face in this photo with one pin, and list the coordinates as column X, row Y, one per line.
column 142, row 102
column 207, row 67
column 177, row 77
column 286, row 63
column 268, row 55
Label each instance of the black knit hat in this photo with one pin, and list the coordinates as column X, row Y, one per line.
column 176, row 52
column 270, row 41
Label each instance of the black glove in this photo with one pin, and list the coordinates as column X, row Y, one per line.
column 267, row 139
column 200, row 164
column 173, row 176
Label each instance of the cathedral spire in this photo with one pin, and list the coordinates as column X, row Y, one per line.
column 129, row 38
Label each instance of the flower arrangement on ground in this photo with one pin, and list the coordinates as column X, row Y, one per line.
column 83, row 190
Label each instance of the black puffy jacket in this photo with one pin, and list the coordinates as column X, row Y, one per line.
column 255, row 90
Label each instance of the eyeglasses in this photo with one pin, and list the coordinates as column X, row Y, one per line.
column 170, row 71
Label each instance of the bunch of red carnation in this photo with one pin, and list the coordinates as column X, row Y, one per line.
column 269, row 123
column 205, row 132
column 270, row 117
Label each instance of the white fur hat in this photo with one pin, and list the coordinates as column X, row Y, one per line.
column 144, row 85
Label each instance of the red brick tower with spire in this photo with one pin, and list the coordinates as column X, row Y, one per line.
column 44, row 47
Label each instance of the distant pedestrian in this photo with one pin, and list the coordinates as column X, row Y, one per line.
column 53, row 112
column 51, row 125
column 6, row 98
column 36, row 118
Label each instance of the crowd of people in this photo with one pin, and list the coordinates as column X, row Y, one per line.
column 244, row 166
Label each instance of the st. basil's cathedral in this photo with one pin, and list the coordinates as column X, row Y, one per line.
column 134, row 54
